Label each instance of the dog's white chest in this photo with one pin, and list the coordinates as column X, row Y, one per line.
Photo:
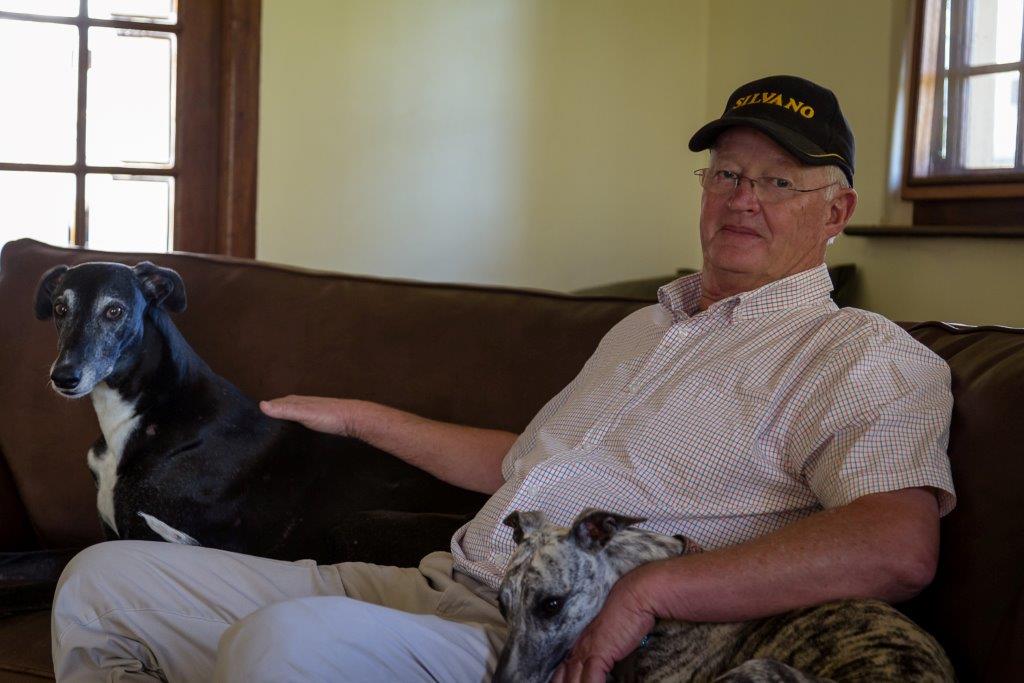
column 117, row 420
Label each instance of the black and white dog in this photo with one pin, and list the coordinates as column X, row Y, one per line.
column 184, row 456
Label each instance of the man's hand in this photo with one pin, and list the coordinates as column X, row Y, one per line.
column 329, row 415
column 617, row 630
column 469, row 457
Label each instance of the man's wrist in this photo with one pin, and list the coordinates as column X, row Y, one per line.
column 360, row 419
column 660, row 588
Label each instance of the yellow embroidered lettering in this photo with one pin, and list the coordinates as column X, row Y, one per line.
column 807, row 112
column 776, row 98
column 794, row 105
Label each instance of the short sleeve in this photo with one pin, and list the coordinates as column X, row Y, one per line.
column 878, row 421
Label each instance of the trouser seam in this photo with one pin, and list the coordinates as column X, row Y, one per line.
column 64, row 631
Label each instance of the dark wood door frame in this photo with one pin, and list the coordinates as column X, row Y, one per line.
column 218, row 124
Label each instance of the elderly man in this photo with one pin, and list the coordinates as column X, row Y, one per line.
column 800, row 445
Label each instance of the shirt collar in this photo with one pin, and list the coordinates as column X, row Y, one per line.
column 682, row 297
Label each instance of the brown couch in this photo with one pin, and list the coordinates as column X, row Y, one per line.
column 483, row 356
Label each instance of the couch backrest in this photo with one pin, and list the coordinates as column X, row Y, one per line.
column 484, row 356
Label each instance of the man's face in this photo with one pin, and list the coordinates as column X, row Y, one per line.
column 764, row 242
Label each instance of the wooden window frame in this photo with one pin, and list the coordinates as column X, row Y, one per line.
column 982, row 197
column 216, row 124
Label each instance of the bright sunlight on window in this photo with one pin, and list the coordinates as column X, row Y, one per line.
column 968, row 123
column 94, row 168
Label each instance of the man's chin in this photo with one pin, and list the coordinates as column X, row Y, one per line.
column 735, row 261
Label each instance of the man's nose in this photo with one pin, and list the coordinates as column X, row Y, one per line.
column 65, row 376
column 744, row 196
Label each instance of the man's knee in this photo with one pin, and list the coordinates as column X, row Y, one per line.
column 289, row 639
column 101, row 566
column 307, row 639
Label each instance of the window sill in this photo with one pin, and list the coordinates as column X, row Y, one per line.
column 934, row 231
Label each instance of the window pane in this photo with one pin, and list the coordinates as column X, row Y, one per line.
column 49, row 8
column 38, row 74
column 37, row 205
column 990, row 125
column 129, row 213
column 995, row 31
column 131, row 97
column 164, row 11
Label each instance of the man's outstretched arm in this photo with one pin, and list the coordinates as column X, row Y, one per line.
column 883, row 546
column 469, row 457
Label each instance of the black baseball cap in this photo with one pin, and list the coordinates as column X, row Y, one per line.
column 801, row 116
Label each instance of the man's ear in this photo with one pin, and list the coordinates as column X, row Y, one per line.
column 593, row 528
column 840, row 211
column 162, row 286
column 523, row 523
column 44, row 292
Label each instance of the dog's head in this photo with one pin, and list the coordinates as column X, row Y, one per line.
column 99, row 310
column 557, row 580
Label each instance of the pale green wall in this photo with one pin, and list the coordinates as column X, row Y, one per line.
column 542, row 142
column 521, row 142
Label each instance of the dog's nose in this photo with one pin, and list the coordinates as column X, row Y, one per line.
column 65, row 378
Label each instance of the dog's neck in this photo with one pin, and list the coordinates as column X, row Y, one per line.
column 117, row 417
column 159, row 357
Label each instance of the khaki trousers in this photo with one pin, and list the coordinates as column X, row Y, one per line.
column 144, row 611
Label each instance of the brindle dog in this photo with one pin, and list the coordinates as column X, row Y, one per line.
column 558, row 578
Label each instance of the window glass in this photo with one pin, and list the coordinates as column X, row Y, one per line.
column 39, row 72
column 49, row 8
column 990, row 120
column 129, row 213
column 163, row 11
column 129, row 115
column 37, row 205
column 995, row 31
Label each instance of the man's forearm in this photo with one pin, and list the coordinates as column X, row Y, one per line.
column 469, row 457
column 881, row 546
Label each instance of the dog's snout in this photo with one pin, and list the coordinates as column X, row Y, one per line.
column 66, row 378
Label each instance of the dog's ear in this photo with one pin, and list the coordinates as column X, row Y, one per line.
column 593, row 528
column 523, row 523
column 688, row 545
column 162, row 286
column 44, row 292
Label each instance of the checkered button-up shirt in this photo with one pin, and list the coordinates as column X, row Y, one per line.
column 730, row 423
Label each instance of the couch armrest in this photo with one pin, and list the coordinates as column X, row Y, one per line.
column 16, row 532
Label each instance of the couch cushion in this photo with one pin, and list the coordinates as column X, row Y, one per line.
column 981, row 567
column 25, row 647
column 483, row 356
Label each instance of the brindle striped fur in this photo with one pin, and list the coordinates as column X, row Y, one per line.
column 558, row 578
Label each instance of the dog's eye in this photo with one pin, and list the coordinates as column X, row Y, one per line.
column 113, row 312
column 60, row 309
column 547, row 608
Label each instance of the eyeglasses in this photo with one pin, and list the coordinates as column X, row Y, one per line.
column 768, row 190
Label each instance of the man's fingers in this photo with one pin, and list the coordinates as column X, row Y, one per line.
column 593, row 671
column 276, row 408
column 573, row 670
column 285, row 409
